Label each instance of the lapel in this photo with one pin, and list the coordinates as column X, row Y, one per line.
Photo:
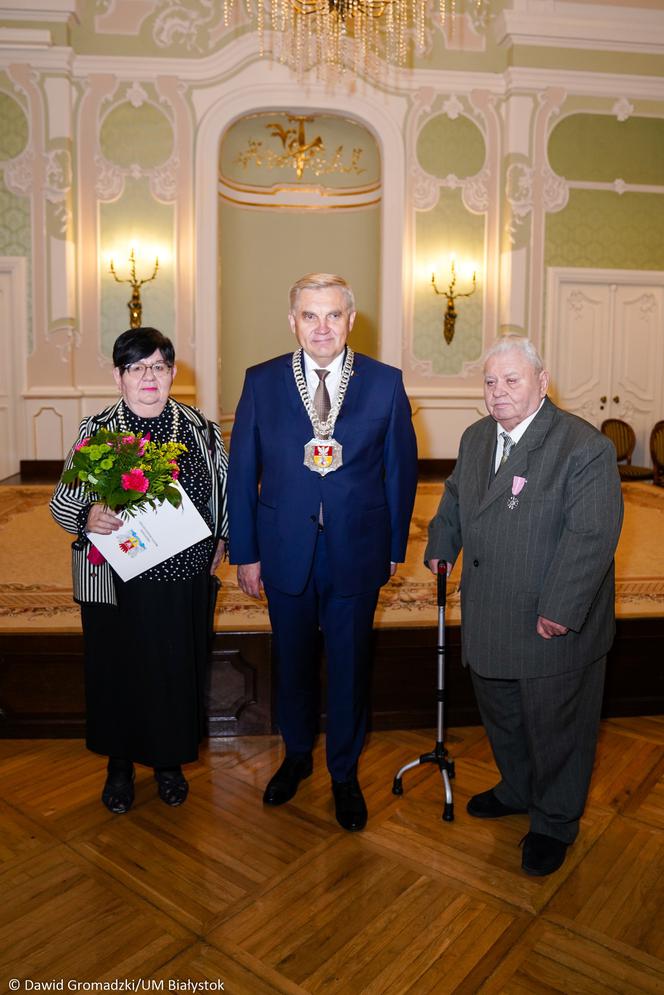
column 353, row 389
column 293, row 395
column 517, row 464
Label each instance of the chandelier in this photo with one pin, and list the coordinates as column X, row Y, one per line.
column 362, row 36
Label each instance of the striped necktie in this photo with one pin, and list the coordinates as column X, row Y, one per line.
column 508, row 442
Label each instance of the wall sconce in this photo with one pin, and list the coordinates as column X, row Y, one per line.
column 450, row 315
column 135, row 306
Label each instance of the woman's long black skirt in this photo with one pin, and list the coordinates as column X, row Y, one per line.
column 145, row 671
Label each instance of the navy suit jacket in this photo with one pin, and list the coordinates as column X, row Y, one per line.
column 367, row 502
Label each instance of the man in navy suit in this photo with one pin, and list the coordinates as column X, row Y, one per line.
column 321, row 486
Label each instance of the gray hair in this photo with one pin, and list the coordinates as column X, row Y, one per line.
column 506, row 343
column 320, row 281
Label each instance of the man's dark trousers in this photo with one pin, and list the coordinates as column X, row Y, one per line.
column 346, row 623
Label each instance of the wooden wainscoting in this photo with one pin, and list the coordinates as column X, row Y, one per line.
column 41, row 681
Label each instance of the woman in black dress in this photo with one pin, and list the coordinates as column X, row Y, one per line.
column 146, row 639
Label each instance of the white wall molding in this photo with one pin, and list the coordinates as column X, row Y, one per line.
column 520, row 80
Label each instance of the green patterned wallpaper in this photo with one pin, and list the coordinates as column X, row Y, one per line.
column 13, row 128
column 448, row 228
column 601, row 148
column 447, row 146
column 142, row 135
column 607, row 230
column 15, row 219
column 136, row 215
column 602, row 228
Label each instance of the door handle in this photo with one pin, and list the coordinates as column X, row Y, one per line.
column 616, row 399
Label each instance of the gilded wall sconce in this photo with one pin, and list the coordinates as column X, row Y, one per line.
column 450, row 316
column 134, row 304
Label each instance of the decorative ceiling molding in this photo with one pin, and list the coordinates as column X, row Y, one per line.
column 25, row 37
column 40, row 10
column 581, row 26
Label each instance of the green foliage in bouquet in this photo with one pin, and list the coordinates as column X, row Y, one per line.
column 126, row 472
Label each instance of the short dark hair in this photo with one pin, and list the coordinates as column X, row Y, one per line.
column 138, row 343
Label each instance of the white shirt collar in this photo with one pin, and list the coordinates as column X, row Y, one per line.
column 517, row 432
column 333, row 367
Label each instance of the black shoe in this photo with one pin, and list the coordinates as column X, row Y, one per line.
column 283, row 785
column 487, row 806
column 349, row 805
column 118, row 792
column 172, row 786
column 542, row 854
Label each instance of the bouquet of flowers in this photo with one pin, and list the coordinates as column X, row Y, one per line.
column 128, row 473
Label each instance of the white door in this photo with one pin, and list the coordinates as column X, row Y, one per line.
column 605, row 347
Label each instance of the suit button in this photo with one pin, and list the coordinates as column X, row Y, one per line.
column 476, row 563
column 314, row 518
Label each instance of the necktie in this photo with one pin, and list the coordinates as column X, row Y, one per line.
column 322, row 405
column 322, row 402
column 508, row 442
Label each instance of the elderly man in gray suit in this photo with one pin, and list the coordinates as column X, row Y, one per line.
column 535, row 502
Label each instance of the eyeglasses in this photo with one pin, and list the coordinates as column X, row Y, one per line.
column 138, row 370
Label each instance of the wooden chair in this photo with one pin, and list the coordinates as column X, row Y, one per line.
column 623, row 438
column 657, row 453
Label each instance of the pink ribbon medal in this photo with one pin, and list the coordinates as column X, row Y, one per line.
column 518, row 483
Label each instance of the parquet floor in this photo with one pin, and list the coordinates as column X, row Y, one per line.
column 226, row 895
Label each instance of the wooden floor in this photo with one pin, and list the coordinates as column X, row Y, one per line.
column 227, row 892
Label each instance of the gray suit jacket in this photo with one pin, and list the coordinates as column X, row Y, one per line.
column 551, row 555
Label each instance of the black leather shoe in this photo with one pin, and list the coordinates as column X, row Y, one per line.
column 487, row 806
column 118, row 792
column 349, row 805
column 283, row 785
column 542, row 854
column 172, row 787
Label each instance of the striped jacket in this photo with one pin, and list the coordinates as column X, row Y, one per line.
column 95, row 583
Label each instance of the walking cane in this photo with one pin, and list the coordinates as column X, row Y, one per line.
column 439, row 754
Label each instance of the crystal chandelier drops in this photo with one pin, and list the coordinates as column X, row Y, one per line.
column 358, row 36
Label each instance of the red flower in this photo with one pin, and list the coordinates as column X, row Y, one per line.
column 135, row 480
column 82, row 443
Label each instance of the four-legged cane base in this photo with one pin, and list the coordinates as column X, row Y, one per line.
column 446, row 767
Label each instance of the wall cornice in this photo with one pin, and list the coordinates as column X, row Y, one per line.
column 41, row 58
column 581, row 26
column 589, row 84
column 49, row 11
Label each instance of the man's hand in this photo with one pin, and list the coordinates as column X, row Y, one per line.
column 393, row 568
column 548, row 629
column 249, row 579
column 433, row 567
column 102, row 520
column 218, row 556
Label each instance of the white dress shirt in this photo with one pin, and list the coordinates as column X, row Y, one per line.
column 332, row 380
column 515, row 434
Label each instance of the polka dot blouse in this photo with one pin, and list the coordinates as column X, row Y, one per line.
column 194, row 478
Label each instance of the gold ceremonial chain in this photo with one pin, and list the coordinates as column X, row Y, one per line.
column 323, row 429
column 176, row 420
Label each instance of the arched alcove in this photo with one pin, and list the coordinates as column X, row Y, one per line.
column 244, row 96
column 298, row 193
